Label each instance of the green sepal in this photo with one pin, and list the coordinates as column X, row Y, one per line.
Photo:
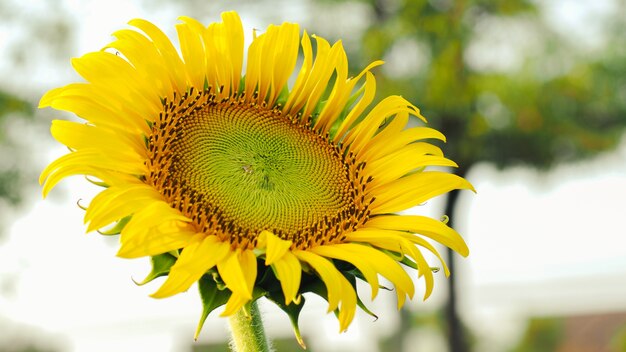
column 214, row 294
column 117, row 228
column 408, row 262
column 146, row 140
column 352, row 280
column 364, row 307
column 97, row 183
column 242, row 85
column 357, row 274
column 215, row 275
column 283, row 96
column 80, row 205
column 292, row 309
column 212, row 297
column 267, row 279
column 319, row 288
column 347, row 108
column 397, row 256
column 161, row 265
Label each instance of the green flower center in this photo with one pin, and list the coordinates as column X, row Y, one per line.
column 237, row 169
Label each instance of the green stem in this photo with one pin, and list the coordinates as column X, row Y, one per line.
column 246, row 326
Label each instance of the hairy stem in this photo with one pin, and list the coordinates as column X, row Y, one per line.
column 246, row 327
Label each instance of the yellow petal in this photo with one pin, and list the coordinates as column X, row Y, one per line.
column 403, row 161
column 371, row 262
column 296, row 95
column 111, row 72
column 276, row 247
column 284, row 58
column 88, row 162
column 422, row 242
column 235, row 302
column 425, row 226
column 82, row 136
column 392, row 129
column 238, row 271
column 145, row 59
column 271, row 59
column 348, row 304
column 132, row 112
column 193, row 53
column 326, row 61
column 415, row 189
column 364, row 266
column 158, row 240
column 354, row 114
column 380, row 147
column 93, row 157
column 328, row 273
column 194, row 261
column 156, row 229
column 231, row 41
column 171, row 60
column 365, row 130
column 117, row 202
column 394, row 241
column 90, row 110
column 341, row 93
column 313, row 76
column 289, row 273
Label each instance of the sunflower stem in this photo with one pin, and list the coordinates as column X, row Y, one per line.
column 246, row 327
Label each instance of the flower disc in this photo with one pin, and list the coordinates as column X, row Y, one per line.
column 239, row 169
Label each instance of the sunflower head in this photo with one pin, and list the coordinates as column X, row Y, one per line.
column 229, row 177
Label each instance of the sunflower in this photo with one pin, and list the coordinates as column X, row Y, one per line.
column 243, row 183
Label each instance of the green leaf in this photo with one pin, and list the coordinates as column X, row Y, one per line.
column 212, row 298
column 161, row 265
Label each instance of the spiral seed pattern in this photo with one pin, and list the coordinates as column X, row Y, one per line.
column 237, row 169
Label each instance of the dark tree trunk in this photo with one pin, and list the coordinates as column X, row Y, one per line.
column 457, row 341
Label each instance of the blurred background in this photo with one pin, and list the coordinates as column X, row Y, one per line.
column 532, row 98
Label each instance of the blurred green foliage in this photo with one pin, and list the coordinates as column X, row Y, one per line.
column 502, row 83
column 548, row 105
column 542, row 335
column 11, row 108
column 619, row 340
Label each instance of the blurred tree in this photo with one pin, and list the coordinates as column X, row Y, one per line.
column 12, row 168
column 542, row 335
column 501, row 84
column 36, row 40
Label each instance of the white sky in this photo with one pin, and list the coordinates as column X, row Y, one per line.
column 540, row 244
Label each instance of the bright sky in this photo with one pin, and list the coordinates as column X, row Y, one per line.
column 549, row 243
